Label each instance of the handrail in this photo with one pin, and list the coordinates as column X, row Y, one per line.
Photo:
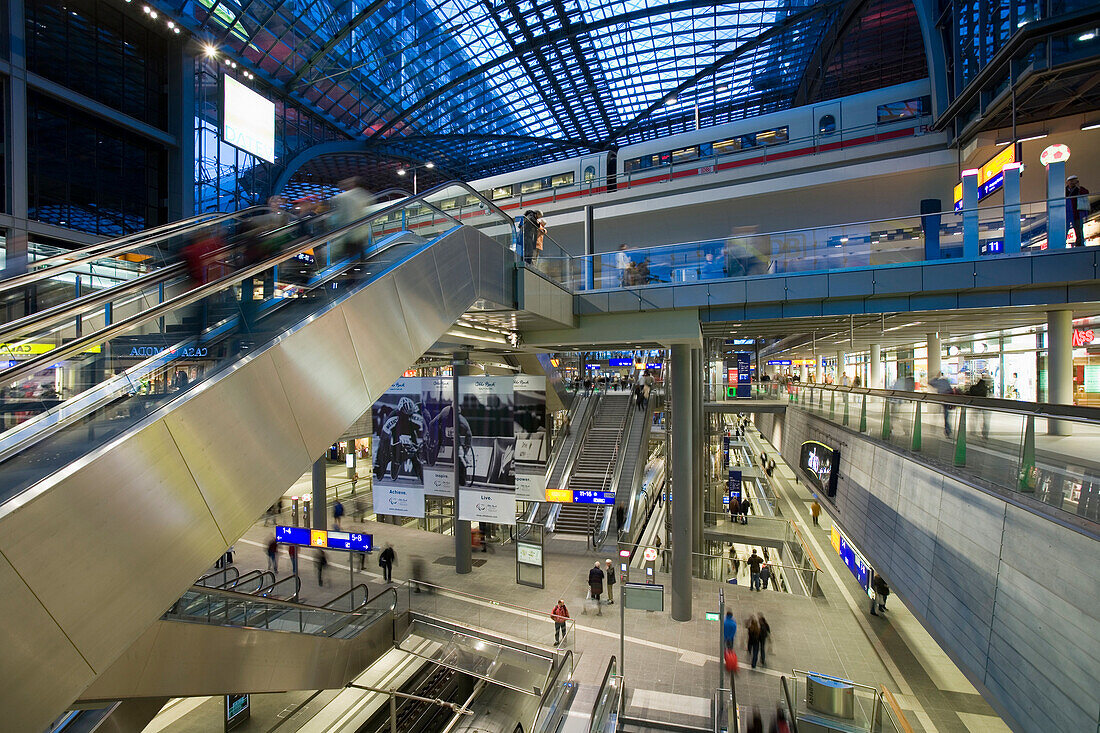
column 30, row 366
column 118, row 247
column 290, row 605
column 895, row 709
column 567, row 657
column 270, row 590
column 614, row 466
column 790, row 705
column 224, row 572
column 1075, row 413
column 609, row 673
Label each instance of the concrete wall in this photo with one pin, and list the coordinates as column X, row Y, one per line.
column 1011, row 596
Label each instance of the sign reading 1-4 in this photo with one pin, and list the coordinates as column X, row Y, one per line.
column 306, row 537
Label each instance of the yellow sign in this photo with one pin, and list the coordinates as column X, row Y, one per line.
column 559, row 495
column 989, row 171
column 318, row 538
column 834, row 537
column 23, row 351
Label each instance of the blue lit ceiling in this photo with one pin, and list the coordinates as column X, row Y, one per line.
column 483, row 87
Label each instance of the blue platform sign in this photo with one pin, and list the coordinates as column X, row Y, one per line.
column 593, row 497
column 306, row 537
column 733, row 487
column 620, row 362
column 725, row 450
column 744, row 375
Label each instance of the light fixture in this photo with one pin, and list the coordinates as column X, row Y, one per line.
column 176, row 29
column 401, row 171
column 145, row 9
column 1094, row 125
column 843, row 239
column 209, row 51
column 171, row 24
column 1087, row 36
column 153, row 14
column 429, row 164
column 1036, row 136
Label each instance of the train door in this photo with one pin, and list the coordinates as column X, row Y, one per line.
column 827, row 124
column 591, row 175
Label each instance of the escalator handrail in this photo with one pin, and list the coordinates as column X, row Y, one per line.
column 223, row 572
column 552, row 684
column 115, row 247
column 69, row 309
column 231, row 595
column 30, row 366
column 609, row 672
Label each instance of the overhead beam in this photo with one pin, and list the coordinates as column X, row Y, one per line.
column 335, row 41
column 825, row 51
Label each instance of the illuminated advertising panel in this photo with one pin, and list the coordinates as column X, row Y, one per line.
column 821, row 465
column 248, row 120
column 991, row 176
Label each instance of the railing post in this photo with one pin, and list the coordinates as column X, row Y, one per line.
column 1027, row 457
column 863, row 416
column 960, row 438
column 846, row 409
column 832, row 404
column 886, row 419
column 916, row 427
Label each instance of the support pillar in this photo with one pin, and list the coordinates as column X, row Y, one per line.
column 320, row 495
column 698, row 491
column 840, row 358
column 971, row 240
column 15, row 255
column 351, row 460
column 935, row 363
column 1059, row 366
column 874, row 379
column 681, row 483
column 463, row 563
column 1057, row 216
column 1012, row 208
column 803, row 374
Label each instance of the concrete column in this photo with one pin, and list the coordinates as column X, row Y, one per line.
column 681, row 483
column 320, row 495
column 463, row 564
column 1057, row 215
column 840, row 355
column 698, row 503
column 1012, row 207
column 15, row 261
column 935, row 364
column 803, row 374
column 1059, row 366
column 874, row 379
column 352, row 459
column 971, row 244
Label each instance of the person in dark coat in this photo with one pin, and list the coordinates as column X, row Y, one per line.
column 745, row 506
column 754, row 562
column 980, row 388
column 595, row 585
column 609, row 571
column 386, row 561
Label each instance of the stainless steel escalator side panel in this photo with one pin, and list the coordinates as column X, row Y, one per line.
column 177, row 659
column 321, row 377
column 165, row 508
column 222, row 467
column 379, row 332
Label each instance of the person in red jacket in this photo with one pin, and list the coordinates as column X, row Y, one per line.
column 560, row 616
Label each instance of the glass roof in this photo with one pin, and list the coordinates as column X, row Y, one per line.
column 482, row 87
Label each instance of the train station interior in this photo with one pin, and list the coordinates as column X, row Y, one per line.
column 549, row 366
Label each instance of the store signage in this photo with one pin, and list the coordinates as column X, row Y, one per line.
column 191, row 352
column 592, row 366
column 25, row 350
column 1056, row 153
column 562, row 496
column 1082, row 337
column 652, row 366
column 649, row 554
column 991, row 176
column 409, row 373
column 306, row 537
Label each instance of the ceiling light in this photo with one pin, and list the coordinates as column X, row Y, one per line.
column 429, row 165
column 145, row 9
column 209, row 50
column 1036, row 136
column 153, row 14
column 176, row 30
column 401, row 171
column 1087, row 36
column 1095, row 125
column 171, row 24
column 843, row 239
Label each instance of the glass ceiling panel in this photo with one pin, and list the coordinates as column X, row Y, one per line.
column 573, row 75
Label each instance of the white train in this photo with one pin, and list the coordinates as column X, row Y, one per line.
column 899, row 111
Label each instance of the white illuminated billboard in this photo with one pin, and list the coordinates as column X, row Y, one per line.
column 248, row 120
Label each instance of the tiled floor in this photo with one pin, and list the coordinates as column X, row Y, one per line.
column 672, row 668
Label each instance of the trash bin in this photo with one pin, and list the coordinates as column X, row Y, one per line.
column 830, row 696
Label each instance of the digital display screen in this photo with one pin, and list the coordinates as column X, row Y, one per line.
column 306, row 537
column 237, row 710
column 733, row 487
column 248, row 120
column 820, row 463
column 853, row 559
column 593, row 497
column 621, row 362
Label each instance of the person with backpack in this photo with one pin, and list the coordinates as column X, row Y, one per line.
column 765, row 575
column 386, row 559
column 754, row 562
column 764, row 631
column 754, row 639
column 560, row 616
column 610, row 572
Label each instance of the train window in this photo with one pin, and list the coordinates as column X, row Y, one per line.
column 471, row 200
column 706, row 150
column 501, row 192
column 632, row 165
column 894, row 111
column 448, row 204
column 725, row 147
column 748, row 141
column 530, row 186
column 685, row 154
column 826, row 125
column 772, row 137
column 566, row 179
column 663, row 158
column 589, row 174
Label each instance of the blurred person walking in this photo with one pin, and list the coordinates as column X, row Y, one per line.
column 595, row 586
column 753, row 630
column 729, row 630
column 765, row 575
column 815, row 512
column 321, row 562
column 764, row 631
column 386, row 560
column 273, row 555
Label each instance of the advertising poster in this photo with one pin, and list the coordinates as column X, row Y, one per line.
column 400, row 425
column 487, row 469
column 532, row 437
column 437, row 398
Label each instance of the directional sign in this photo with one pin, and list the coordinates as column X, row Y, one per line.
column 593, row 497
column 306, row 537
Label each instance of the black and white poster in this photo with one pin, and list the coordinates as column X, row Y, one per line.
column 437, row 398
column 532, row 437
column 487, row 469
column 400, row 426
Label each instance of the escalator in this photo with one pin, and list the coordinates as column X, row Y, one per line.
column 595, row 464
column 165, row 454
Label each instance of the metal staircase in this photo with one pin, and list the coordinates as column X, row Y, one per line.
column 594, row 468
